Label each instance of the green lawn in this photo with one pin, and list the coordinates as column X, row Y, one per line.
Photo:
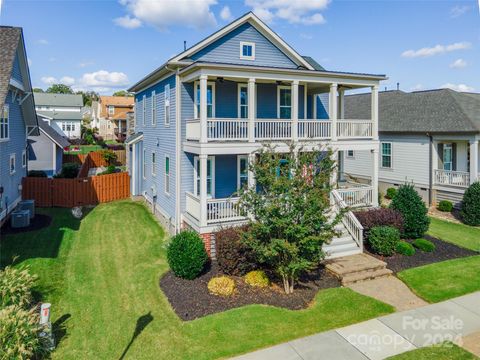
column 444, row 280
column 438, row 352
column 459, row 234
column 101, row 276
column 84, row 149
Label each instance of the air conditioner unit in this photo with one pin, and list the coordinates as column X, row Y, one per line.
column 20, row 219
column 27, row 205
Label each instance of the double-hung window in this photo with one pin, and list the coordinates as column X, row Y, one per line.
column 154, row 108
column 111, row 110
column 386, row 152
column 247, row 50
column 144, row 110
column 154, row 163
column 4, row 122
column 242, row 101
column 284, row 102
column 242, row 170
column 167, row 174
column 210, row 100
column 210, row 176
column 447, row 156
column 167, row 105
column 12, row 164
column 350, row 154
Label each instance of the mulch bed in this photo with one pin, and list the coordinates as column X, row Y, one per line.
column 443, row 251
column 190, row 298
column 40, row 221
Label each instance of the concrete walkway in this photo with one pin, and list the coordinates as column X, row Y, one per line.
column 385, row 336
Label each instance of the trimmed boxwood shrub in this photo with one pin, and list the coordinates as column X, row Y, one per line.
column 233, row 256
column 405, row 248
column 471, row 205
column 414, row 211
column 391, row 192
column 221, row 286
column 424, row 245
column 380, row 217
column 186, row 255
column 383, row 240
column 445, row 206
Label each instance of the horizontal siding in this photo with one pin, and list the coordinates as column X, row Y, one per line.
column 227, row 50
column 225, row 175
column 16, row 72
column 186, row 92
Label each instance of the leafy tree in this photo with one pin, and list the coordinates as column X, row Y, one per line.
column 122, row 93
column 38, row 90
column 88, row 97
column 289, row 212
column 60, row 89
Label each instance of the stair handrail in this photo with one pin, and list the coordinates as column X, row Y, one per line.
column 353, row 226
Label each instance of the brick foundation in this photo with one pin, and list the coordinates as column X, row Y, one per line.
column 207, row 238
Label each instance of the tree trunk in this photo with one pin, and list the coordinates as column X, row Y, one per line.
column 288, row 284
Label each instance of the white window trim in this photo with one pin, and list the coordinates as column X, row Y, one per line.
column 167, row 89
column 12, row 156
column 391, row 155
column 167, row 181
column 196, row 85
column 278, row 99
column 144, row 109
column 350, row 156
column 154, row 163
column 449, row 146
column 24, row 158
column 247, row 43
column 144, row 164
column 239, row 158
column 111, row 110
column 154, row 108
column 195, row 172
column 8, row 122
column 239, row 105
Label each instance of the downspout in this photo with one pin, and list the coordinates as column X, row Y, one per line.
column 430, row 168
column 178, row 147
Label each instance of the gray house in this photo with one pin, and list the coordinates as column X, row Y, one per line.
column 430, row 138
column 45, row 152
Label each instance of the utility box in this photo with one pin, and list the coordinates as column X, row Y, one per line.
column 28, row 205
column 20, row 219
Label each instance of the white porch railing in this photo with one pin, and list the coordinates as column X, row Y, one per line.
column 193, row 205
column 354, row 129
column 227, row 129
column 314, row 129
column 223, row 210
column 353, row 226
column 452, row 178
column 358, row 196
column 193, row 129
column 273, row 129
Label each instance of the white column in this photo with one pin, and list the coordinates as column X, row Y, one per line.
column 252, row 183
column 314, row 100
column 332, row 110
column 203, row 189
column 305, row 101
column 334, row 175
column 341, row 103
column 375, row 112
column 251, row 109
column 295, row 110
column 376, row 164
column 473, row 161
column 203, row 108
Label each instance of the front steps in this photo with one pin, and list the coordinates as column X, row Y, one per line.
column 359, row 267
column 341, row 245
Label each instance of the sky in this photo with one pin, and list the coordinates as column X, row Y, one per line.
column 107, row 45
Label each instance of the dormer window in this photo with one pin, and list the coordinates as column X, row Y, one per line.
column 247, row 50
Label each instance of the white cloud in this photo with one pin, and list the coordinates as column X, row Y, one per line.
column 436, row 50
column 458, row 87
column 49, row 80
column 226, row 14
column 162, row 14
column 67, row 80
column 128, row 22
column 103, row 78
column 458, row 64
column 417, row 87
column 306, row 12
column 42, row 42
column 459, row 10
column 85, row 64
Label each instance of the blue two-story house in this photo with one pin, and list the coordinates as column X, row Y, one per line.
column 201, row 116
column 17, row 117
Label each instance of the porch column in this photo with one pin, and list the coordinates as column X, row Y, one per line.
column 375, row 112
column 251, row 109
column 295, row 110
column 332, row 110
column 203, row 189
column 376, row 164
column 334, row 175
column 341, row 103
column 314, row 111
column 473, row 160
column 203, row 108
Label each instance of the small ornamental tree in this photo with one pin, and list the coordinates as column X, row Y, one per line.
column 414, row 212
column 289, row 211
column 471, row 205
column 109, row 157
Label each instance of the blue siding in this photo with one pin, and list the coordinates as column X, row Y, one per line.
column 16, row 73
column 226, row 99
column 225, row 175
column 186, row 158
column 267, row 101
column 160, row 139
column 322, row 106
column 227, row 50
column 40, row 154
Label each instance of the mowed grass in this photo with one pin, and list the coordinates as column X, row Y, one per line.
column 102, row 277
column 458, row 234
column 446, row 351
column 84, row 149
column 444, row 280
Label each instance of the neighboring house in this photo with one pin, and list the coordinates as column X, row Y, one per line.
column 113, row 116
column 17, row 117
column 201, row 116
column 45, row 152
column 63, row 110
column 428, row 138
column 95, row 115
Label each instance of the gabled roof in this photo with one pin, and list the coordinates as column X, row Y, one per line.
column 120, row 101
column 432, row 111
column 60, row 115
column 9, row 40
column 49, row 99
column 51, row 133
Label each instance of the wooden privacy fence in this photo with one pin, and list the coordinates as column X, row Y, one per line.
column 81, row 158
column 76, row 192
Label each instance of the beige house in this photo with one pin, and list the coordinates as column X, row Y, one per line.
column 111, row 120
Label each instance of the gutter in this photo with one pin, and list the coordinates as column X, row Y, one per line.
column 430, row 168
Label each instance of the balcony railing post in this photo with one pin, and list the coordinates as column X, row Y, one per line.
column 251, row 109
column 333, row 110
column 203, row 109
column 295, row 110
column 473, row 160
column 375, row 112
